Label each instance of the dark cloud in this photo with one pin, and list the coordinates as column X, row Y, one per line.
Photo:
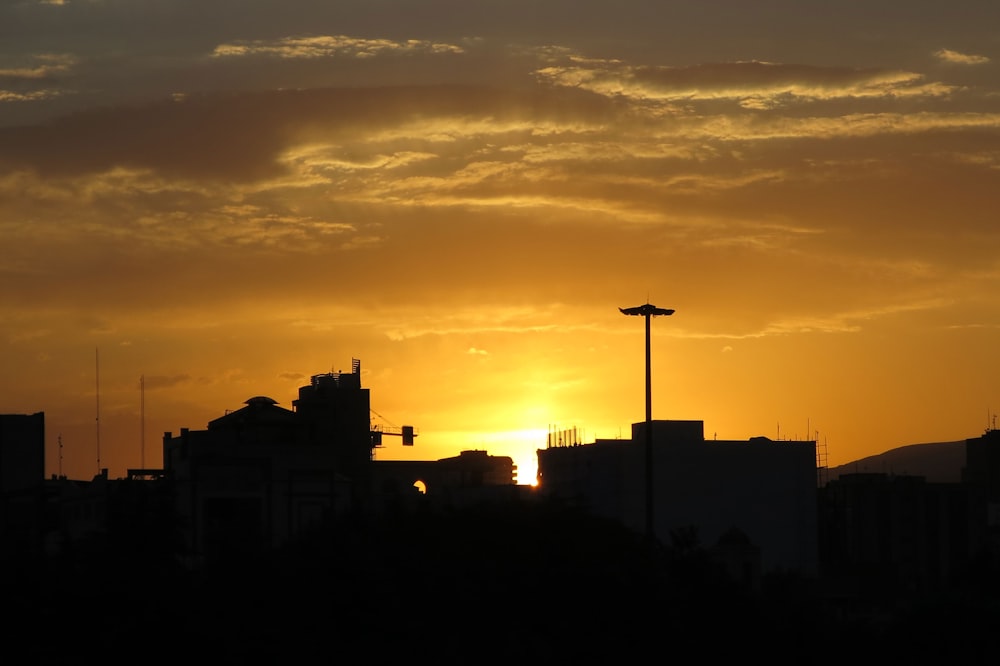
column 749, row 75
column 154, row 382
column 239, row 136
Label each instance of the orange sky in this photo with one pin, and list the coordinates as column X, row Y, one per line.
column 463, row 195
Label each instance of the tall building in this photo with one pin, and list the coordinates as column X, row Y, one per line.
column 761, row 488
column 22, row 478
column 982, row 471
column 981, row 476
column 260, row 475
column 22, row 451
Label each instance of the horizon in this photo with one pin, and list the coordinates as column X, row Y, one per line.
column 463, row 197
column 489, row 443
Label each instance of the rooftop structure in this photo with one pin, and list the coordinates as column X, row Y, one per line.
column 764, row 488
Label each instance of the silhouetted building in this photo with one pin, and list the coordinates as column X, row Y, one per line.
column 336, row 411
column 885, row 536
column 262, row 474
column 22, row 452
column 764, row 489
column 468, row 478
column 981, row 475
column 893, row 536
column 78, row 514
column 22, row 475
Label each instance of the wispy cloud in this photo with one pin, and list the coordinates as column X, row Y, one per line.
column 42, row 66
column 325, row 46
column 753, row 84
column 34, row 96
column 844, row 322
column 954, row 57
column 154, row 382
column 18, row 79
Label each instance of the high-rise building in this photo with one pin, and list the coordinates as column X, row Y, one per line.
column 22, row 478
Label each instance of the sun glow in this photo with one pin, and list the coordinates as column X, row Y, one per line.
column 521, row 445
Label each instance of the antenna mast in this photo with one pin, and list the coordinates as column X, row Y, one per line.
column 97, row 383
column 142, row 421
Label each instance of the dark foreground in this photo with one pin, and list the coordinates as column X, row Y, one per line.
column 525, row 583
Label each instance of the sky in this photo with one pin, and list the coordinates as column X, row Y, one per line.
column 203, row 201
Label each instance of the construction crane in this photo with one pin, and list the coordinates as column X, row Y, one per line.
column 407, row 432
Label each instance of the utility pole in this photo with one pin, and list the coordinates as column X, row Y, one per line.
column 648, row 311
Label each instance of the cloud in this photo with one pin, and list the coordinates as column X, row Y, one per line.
column 155, row 382
column 426, row 329
column 754, row 84
column 249, row 137
column 44, row 66
column 34, row 96
column 956, row 58
column 24, row 335
column 849, row 321
column 16, row 80
column 326, row 46
column 472, row 143
column 200, row 188
column 477, row 352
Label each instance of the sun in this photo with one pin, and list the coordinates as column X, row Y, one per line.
column 522, row 447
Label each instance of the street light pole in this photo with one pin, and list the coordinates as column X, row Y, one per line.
column 648, row 311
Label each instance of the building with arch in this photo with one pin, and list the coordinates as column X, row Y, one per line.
column 259, row 476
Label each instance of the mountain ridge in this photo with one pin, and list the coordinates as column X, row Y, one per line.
column 937, row 462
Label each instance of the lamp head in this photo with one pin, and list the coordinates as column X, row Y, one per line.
column 646, row 310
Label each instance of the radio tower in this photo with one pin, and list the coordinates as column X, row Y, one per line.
column 97, row 384
column 142, row 421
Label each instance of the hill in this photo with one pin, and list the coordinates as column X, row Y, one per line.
column 938, row 462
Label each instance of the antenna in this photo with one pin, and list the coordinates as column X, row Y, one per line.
column 60, row 454
column 97, row 383
column 142, row 421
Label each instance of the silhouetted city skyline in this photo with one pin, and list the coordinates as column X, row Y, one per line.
column 266, row 502
column 466, row 199
column 205, row 210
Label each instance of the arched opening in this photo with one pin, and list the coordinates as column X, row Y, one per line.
column 420, row 486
